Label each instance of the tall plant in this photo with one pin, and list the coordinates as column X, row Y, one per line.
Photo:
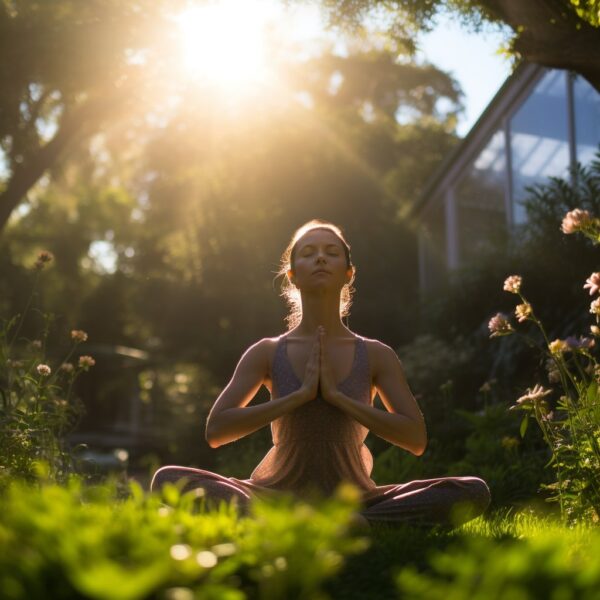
column 37, row 405
column 571, row 427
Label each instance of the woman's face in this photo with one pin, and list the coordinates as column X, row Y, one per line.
column 319, row 261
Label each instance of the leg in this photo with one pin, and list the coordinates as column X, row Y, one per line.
column 216, row 487
column 448, row 501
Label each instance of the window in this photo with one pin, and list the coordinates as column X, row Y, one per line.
column 480, row 205
column 539, row 138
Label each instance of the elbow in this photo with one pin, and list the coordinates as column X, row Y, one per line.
column 209, row 435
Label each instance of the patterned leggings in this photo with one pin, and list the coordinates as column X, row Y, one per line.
column 446, row 501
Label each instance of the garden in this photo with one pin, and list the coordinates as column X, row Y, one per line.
column 142, row 212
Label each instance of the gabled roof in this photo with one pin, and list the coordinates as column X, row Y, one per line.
column 513, row 91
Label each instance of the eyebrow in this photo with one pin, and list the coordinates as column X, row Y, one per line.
column 328, row 245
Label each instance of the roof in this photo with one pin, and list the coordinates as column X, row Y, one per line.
column 511, row 93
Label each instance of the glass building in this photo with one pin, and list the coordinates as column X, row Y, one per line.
column 540, row 123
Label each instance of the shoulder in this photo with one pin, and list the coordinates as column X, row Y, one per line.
column 261, row 353
column 380, row 354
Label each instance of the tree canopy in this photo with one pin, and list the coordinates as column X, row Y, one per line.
column 562, row 34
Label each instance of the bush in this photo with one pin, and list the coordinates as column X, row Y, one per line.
column 91, row 542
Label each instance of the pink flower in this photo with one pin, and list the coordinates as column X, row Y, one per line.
column 595, row 307
column 78, row 335
column 85, row 362
column 593, row 282
column 499, row 325
column 67, row 367
column 576, row 220
column 534, row 398
column 512, row 284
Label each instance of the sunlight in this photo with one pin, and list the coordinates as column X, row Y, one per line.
column 225, row 43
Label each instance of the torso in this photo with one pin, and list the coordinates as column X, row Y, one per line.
column 341, row 352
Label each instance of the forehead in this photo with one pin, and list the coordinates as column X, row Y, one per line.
column 319, row 237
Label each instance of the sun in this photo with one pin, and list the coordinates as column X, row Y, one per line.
column 224, row 42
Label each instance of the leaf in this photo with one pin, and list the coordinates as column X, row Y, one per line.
column 524, row 424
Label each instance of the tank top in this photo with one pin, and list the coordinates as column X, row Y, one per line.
column 317, row 445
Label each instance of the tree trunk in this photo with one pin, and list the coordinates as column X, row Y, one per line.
column 549, row 33
column 74, row 126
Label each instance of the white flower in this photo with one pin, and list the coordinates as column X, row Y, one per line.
column 44, row 370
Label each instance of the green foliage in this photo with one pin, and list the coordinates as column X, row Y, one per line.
column 553, row 563
column 96, row 542
column 37, row 407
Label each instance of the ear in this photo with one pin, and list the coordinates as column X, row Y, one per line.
column 290, row 276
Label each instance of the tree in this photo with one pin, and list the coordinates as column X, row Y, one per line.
column 563, row 34
column 68, row 68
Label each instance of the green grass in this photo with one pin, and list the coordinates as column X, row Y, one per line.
column 99, row 542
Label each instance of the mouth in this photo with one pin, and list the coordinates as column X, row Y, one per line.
column 321, row 271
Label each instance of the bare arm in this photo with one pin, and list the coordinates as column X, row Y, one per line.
column 403, row 425
column 230, row 418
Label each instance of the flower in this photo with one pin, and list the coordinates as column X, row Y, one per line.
column 85, row 362
column 576, row 220
column 15, row 364
column 595, row 306
column 78, row 335
column 44, row 370
column 523, row 311
column 486, row 387
column 595, row 330
column 37, row 344
column 593, row 282
column 534, row 398
column 581, row 343
column 499, row 325
column 67, row 367
column 558, row 347
column 43, row 257
column 512, row 284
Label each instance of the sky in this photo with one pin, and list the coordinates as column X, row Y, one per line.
column 472, row 59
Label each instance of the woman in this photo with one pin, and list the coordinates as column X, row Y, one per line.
column 323, row 379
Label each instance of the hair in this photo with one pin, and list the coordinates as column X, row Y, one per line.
column 290, row 293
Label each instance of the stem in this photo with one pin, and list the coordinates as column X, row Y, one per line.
column 14, row 337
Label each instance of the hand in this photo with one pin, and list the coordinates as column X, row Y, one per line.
column 328, row 387
column 310, row 385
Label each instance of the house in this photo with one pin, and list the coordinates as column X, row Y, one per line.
column 540, row 123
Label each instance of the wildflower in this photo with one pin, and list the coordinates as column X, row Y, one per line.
column 85, row 362
column 67, row 367
column 593, row 282
column 595, row 330
column 558, row 347
column 485, row 388
column 579, row 344
column 78, row 335
column 15, row 364
column 595, row 306
column 523, row 311
column 534, row 398
column 44, row 370
column 509, row 442
column 43, row 257
column 37, row 344
column 576, row 220
column 499, row 325
column 512, row 284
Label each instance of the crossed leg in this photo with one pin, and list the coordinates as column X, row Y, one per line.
column 446, row 501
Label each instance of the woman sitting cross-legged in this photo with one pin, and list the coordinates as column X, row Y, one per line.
column 323, row 379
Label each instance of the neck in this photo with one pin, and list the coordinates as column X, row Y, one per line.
column 321, row 309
